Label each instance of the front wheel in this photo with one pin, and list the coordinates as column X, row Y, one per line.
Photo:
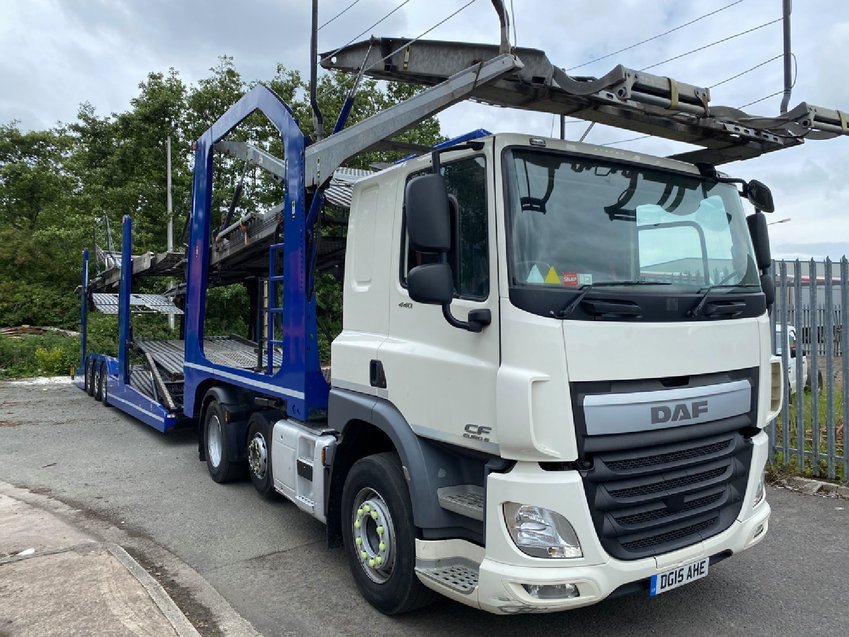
column 379, row 536
column 217, row 448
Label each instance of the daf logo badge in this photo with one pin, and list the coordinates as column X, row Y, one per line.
column 678, row 411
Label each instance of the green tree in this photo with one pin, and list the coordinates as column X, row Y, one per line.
column 55, row 183
column 32, row 175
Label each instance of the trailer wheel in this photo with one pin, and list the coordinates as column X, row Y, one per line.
column 259, row 455
column 104, row 383
column 89, row 375
column 97, row 381
column 86, row 379
column 379, row 536
column 215, row 441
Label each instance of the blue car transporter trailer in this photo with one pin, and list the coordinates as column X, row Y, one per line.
column 299, row 384
column 178, row 375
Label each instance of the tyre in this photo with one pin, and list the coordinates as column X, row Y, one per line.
column 86, row 379
column 809, row 382
column 259, row 455
column 104, row 383
column 89, row 375
column 379, row 536
column 97, row 381
column 217, row 446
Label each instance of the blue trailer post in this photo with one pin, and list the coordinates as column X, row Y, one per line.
column 299, row 381
column 80, row 371
column 124, row 299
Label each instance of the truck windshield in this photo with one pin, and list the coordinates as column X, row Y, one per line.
column 577, row 221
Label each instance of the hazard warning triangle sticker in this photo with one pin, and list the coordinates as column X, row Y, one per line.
column 535, row 276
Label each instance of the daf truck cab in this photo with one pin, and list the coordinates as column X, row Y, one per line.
column 553, row 378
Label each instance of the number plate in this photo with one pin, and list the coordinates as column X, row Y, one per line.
column 663, row 582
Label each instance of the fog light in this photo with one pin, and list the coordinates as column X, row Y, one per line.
column 758, row 530
column 551, row 591
column 760, row 492
column 539, row 532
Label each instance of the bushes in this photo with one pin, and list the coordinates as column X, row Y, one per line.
column 35, row 304
column 54, row 354
column 38, row 355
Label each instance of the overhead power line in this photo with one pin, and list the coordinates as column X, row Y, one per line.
column 624, row 141
column 554, row 117
column 357, row 37
column 749, row 70
column 655, row 37
column 795, row 77
column 707, row 46
column 343, row 11
column 761, row 99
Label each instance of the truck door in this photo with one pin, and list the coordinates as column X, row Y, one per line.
column 441, row 378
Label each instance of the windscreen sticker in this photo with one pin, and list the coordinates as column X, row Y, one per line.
column 568, row 279
column 535, row 276
column 576, row 279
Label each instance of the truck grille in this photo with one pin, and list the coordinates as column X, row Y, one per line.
column 653, row 500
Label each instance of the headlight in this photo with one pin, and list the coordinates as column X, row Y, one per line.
column 539, row 532
column 760, row 492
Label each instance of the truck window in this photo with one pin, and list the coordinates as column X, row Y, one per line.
column 469, row 256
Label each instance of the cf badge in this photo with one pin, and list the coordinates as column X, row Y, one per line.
column 477, row 432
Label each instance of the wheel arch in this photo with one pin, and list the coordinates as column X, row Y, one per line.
column 370, row 425
column 236, row 404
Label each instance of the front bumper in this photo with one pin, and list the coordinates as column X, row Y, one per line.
column 502, row 569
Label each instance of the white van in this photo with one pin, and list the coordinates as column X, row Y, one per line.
column 794, row 353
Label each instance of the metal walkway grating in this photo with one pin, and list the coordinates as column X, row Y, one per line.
column 230, row 351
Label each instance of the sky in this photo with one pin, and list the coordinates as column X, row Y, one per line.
column 57, row 54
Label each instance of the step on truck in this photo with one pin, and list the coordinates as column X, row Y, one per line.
column 555, row 366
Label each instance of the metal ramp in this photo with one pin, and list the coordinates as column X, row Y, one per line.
column 160, row 377
column 231, row 351
column 107, row 303
column 171, row 264
column 240, row 250
column 625, row 98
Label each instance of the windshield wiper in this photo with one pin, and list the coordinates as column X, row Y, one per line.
column 573, row 303
column 731, row 308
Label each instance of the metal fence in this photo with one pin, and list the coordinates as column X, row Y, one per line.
column 812, row 301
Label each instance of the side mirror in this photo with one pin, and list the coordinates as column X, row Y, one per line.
column 427, row 213
column 431, row 283
column 759, row 195
column 760, row 239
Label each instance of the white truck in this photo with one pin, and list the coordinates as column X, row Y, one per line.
column 562, row 413
column 555, row 367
